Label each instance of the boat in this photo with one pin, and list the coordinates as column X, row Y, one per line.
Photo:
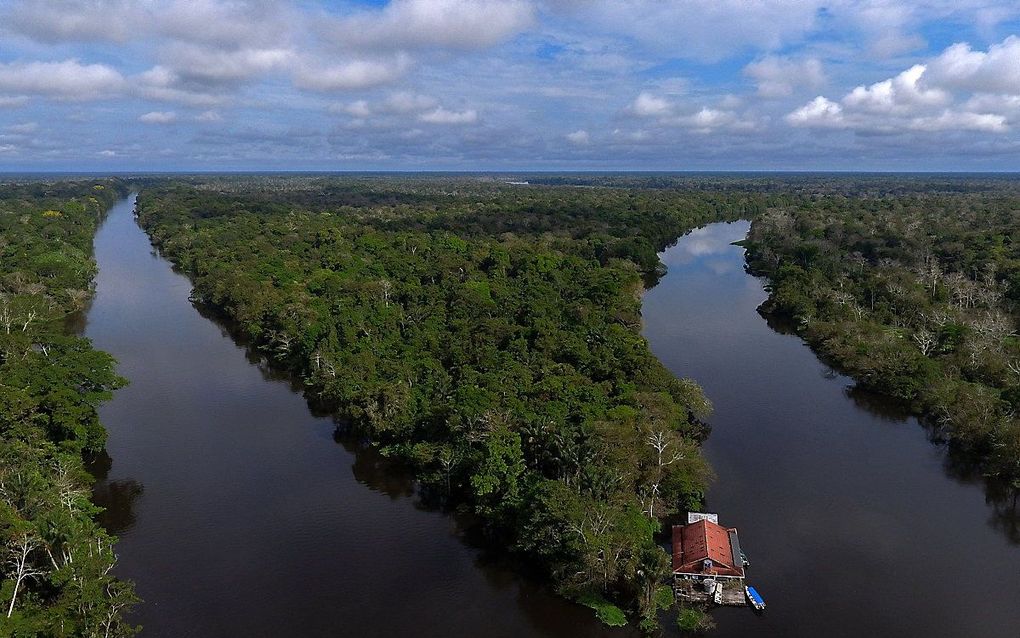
column 754, row 598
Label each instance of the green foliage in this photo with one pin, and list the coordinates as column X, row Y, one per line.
column 693, row 620
column 56, row 560
column 487, row 335
column 607, row 613
column 914, row 295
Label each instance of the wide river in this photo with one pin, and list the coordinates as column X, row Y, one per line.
column 242, row 514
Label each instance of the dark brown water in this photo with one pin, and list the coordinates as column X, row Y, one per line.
column 854, row 523
column 238, row 512
column 241, row 515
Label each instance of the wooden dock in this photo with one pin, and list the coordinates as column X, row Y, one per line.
column 692, row 591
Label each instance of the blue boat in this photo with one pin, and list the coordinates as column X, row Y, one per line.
column 754, row 598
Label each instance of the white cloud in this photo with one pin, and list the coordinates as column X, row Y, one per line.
column 779, row 77
column 960, row 121
column 930, row 97
column 465, row 24
column 215, row 65
column 819, row 112
column 994, row 71
column 407, row 102
column 356, row 74
column 579, row 138
column 209, row 117
column 107, row 153
column 708, row 119
column 72, row 20
column 648, row 105
column 165, row 85
column 66, row 80
column 158, row 117
column 439, row 115
column 902, row 94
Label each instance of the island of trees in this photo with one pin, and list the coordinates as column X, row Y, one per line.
column 56, row 560
column 486, row 334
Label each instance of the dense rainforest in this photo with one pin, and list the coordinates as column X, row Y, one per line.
column 487, row 334
column 916, row 294
column 56, row 560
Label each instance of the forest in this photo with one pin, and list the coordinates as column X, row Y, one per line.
column 916, row 294
column 487, row 335
column 56, row 560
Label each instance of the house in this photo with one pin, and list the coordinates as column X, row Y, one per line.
column 704, row 549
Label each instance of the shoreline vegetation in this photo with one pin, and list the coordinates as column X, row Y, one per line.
column 916, row 296
column 56, row 559
column 486, row 335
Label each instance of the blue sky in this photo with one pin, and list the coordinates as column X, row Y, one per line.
column 124, row 85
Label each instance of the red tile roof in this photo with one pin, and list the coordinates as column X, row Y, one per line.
column 704, row 540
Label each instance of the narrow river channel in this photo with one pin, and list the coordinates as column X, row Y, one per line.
column 238, row 512
column 241, row 515
column 851, row 519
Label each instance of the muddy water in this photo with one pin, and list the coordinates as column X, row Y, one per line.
column 855, row 524
column 241, row 515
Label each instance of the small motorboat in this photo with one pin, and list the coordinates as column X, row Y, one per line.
column 754, row 598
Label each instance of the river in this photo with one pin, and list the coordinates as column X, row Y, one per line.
column 242, row 514
column 853, row 522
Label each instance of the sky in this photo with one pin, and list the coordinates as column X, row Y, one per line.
column 517, row 85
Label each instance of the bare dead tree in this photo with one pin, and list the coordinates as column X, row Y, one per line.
column 20, row 550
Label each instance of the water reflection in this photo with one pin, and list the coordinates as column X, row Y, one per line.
column 259, row 516
column 117, row 498
column 855, row 523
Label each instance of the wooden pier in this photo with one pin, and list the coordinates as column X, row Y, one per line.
column 693, row 591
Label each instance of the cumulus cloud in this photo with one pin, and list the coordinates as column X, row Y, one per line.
column 66, row 80
column 901, row 94
column 819, row 112
column 579, row 138
column 355, row 74
column 439, row 115
column 408, row 102
column 930, row 97
column 648, row 105
column 73, row 20
column 994, row 71
column 158, row 117
column 703, row 120
column 463, row 24
column 779, row 77
column 214, row 65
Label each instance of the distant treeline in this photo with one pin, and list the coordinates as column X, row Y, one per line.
column 56, row 560
column 916, row 296
column 487, row 334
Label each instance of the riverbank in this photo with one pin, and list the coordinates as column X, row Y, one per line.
column 851, row 518
column 240, row 513
column 56, row 560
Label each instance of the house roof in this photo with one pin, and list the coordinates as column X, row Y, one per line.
column 702, row 541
